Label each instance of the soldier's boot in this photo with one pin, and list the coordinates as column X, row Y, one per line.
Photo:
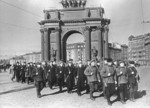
column 122, row 98
column 38, row 93
column 60, row 88
column 109, row 102
column 87, row 89
column 79, row 93
column 132, row 97
column 104, row 92
column 91, row 96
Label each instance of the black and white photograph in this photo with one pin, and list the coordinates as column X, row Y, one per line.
column 74, row 54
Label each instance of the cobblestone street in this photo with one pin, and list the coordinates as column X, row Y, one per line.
column 17, row 95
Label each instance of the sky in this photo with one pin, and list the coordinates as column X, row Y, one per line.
column 19, row 28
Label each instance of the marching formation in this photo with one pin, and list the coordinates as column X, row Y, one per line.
column 111, row 78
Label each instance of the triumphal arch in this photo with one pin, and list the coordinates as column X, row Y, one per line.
column 75, row 17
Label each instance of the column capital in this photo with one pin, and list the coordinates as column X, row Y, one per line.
column 45, row 29
column 99, row 28
column 87, row 28
column 41, row 30
column 57, row 29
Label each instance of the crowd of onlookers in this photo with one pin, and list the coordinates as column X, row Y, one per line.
column 107, row 76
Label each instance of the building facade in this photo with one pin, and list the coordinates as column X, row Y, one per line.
column 16, row 59
column 76, row 51
column 117, row 52
column 139, row 49
column 32, row 57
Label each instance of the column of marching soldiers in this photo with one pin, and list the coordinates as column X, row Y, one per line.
column 110, row 78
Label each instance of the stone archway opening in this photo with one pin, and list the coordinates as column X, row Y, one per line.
column 74, row 46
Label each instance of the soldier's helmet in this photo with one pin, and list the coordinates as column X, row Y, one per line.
column 131, row 62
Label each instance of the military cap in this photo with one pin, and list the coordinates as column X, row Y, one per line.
column 109, row 60
column 93, row 60
column 132, row 62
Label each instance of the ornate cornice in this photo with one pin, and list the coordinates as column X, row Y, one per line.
column 49, row 21
column 92, row 19
column 73, row 21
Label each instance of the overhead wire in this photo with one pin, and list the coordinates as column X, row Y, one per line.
column 29, row 12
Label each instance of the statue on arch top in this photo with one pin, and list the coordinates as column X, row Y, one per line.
column 83, row 3
column 73, row 3
column 65, row 3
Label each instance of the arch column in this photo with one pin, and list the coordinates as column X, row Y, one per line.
column 42, row 44
column 46, row 45
column 99, row 33
column 106, row 30
column 58, row 43
column 87, row 43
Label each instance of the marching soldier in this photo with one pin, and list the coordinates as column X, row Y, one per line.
column 23, row 70
column 87, row 85
column 70, row 77
column 27, row 73
column 51, row 75
column 122, row 81
column 116, row 65
column 60, row 75
column 17, row 70
column 39, row 77
column 133, row 79
column 45, row 67
column 93, row 77
column 104, row 64
column 108, row 74
column 80, row 78
column 30, row 73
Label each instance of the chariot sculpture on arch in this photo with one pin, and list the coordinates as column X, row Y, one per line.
column 73, row 3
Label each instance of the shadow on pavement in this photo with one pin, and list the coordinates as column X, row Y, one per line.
column 140, row 94
column 58, row 92
column 16, row 90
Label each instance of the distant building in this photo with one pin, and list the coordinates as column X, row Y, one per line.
column 124, row 52
column 76, row 51
column 16, row 59
column 33, row 57
column 139, row 49
column 118, row 52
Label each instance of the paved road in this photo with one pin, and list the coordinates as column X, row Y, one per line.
column 17, row 95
